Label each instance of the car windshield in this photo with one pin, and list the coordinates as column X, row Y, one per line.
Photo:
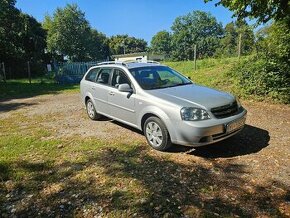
column 158, row 77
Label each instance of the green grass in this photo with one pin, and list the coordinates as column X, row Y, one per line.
column 22, row 88
column 210, row 72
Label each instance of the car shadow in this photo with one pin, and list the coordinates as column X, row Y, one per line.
column 250, row 140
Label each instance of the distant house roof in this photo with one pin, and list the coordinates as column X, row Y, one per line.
column 130, row 55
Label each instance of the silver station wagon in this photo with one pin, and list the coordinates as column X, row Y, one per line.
column 167, row 106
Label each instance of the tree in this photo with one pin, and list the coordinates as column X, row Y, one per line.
column 229, row 43
column 10, row 27
column 69, row 33
column 22, row 39
column 161, row 43
column 33, row 38
column 198, row 28
column 120, row 44
column 99, row 46
column 263, row 11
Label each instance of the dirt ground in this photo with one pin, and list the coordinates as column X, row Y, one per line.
column 259, row 155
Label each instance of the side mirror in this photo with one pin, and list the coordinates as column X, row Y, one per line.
column 125, row 88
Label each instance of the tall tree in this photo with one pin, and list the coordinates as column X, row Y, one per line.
column 234, row 32
column 68, row 33
column 99, row 46
column 196, row 28
column 120, row 44
column 10, row 27
column 161, row 43
column 33, row 37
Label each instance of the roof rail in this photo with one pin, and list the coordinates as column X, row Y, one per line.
column 112, row 62
column 141, row 61
column 125, row 63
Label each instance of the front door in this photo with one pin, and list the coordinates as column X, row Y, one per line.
column 122, row 104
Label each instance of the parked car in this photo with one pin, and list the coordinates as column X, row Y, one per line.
column 167, row 106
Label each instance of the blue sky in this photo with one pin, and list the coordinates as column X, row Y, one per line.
column 138, row 18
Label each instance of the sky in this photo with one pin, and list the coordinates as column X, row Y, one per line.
column 138, row 18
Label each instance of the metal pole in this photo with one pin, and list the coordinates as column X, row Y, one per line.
column 29, row 73
column 194, row 55
column 239, row 45
column 4, row 73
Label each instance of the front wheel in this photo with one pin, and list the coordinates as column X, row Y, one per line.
column 157, row 134
column 92, row 113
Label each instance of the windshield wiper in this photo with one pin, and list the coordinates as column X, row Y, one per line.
column 180, row 84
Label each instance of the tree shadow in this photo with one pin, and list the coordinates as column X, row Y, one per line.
column 250, row 140
column 133, row 182
column 13, row 106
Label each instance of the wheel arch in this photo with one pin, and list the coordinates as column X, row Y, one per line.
column 156, row 112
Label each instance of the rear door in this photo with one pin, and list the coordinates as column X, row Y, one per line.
column 100, row 90
column 122, row 104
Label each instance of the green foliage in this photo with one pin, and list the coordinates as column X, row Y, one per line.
column 263, row 11
column 229, row 43
column 120, row 44
column 267, row 74
column 161, row 43
column 22, row 39
column 10, row 26
column 68, row 33
column 98, row 46
column 198, row 28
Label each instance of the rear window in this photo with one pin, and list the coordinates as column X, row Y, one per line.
column 91, row 76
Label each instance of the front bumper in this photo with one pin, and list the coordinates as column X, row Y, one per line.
column 199, row 133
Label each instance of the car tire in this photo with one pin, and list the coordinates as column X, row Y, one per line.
column 157, row 134
column 91, row 111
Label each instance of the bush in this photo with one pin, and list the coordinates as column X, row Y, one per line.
column 267, row 74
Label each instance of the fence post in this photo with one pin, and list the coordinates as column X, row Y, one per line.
column 4, row 72
column 240, row 45
column 194, row 57
column 29, row 73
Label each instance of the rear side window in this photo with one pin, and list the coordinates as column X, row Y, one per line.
column 91, row 76
column 104, row 76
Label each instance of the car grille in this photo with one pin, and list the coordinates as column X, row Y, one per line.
column 225, row 111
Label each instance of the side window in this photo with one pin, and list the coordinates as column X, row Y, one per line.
column 104, row 76
column 119, row 77
column 91, row 76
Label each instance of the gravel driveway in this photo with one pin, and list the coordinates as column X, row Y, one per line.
column 262, row 148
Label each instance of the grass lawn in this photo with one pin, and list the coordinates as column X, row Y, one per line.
column 22, row 88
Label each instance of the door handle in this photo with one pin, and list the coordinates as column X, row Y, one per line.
column 111, row 93
column 93, row 88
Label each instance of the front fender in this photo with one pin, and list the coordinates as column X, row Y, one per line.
column 159, row 113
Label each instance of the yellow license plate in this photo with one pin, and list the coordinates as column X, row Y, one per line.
column 238, row 124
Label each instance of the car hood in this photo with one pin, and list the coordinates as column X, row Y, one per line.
column 193, row 95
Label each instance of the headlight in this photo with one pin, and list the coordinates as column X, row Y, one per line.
column 194, row 114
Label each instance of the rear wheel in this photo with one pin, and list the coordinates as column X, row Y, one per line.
column 92, row 113
column 157, row 134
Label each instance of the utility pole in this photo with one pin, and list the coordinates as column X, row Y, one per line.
column 28, row 70
column 194, row 56
column 240, row 45
column 4, row 73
